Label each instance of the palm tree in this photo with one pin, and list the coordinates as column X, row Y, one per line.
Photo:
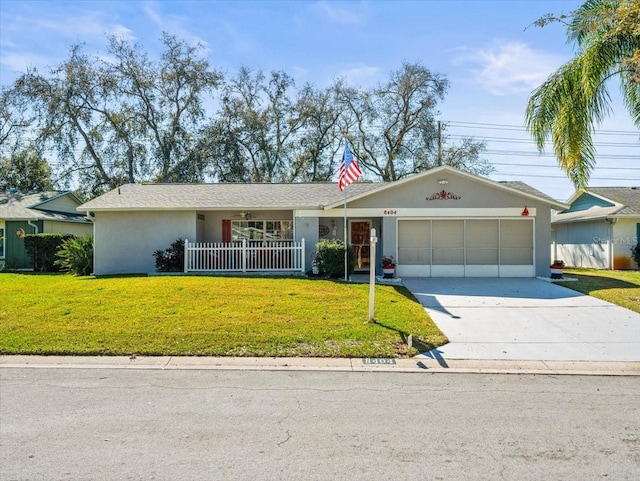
column 574, row 99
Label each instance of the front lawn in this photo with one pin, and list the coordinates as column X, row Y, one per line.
column 619, row 287
column 216, row 316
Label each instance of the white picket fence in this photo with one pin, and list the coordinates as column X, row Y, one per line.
column 252, row 256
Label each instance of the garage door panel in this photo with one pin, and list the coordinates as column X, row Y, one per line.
column 414, row 238
column 516, row 242
column 448, row 242
column 482, row 242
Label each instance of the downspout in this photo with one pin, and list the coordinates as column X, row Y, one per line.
column 35, row 226
column 611, row 222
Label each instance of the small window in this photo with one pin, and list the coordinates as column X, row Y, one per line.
column 1, row 242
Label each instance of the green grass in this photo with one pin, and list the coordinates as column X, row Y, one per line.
column 619, row 287
column 60, row 314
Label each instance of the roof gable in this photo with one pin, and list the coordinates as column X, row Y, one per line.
column 59, row 202
column 439, row 173
column 601, row 203
column 628, row 197
column 48, row 205
column 587, row 201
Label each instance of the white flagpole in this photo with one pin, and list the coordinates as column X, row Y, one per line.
column 346, row 240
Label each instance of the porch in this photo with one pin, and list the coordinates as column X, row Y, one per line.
column 245, row 256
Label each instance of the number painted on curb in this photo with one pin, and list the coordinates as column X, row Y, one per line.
column 378, row 360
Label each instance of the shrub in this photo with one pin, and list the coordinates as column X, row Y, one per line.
column 330, row 258
column 171, row 259
column 635, row 254
column 76, row 255
column 42, row 249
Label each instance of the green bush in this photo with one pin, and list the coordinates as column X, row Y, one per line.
column 76, row 255
column 171, row 259
column 635, row 254
column 330, row 258
column 42, row 249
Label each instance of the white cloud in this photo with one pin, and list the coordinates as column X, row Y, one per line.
column 123, row 33
column 507, row 68
column 174, row 24
column 83, row 25
column 360, row 75
column 340, row 14
column 19, row 62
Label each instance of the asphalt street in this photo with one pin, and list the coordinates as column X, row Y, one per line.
column 109, row 424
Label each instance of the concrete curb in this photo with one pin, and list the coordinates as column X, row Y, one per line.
column 414, row 365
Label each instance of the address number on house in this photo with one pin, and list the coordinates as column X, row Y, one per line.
column 378, row 360
column 390, row 212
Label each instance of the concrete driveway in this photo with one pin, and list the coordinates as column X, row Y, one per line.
column 525, row 319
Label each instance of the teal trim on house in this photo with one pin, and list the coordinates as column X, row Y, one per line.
column 16, row 256
column 586, row 201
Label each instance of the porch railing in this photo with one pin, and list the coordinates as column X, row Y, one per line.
column 244, row 256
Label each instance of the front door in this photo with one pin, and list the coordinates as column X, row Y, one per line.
column 360, row 239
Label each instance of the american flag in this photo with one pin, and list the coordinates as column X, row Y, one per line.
column 349, row 169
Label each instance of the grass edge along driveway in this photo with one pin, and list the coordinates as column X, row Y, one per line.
column 618, row 287
column 212, row 316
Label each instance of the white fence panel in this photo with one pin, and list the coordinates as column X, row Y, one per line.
column 262, row 256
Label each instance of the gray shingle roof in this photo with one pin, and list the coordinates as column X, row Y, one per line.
column 627, row 196
column 223, row 196
column 516, row 184
column 262, row 196
column 20, row 206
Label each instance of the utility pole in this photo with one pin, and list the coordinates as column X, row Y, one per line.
column 439, row 143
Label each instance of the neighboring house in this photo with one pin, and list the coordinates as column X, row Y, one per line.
column 599, row 228
column 443, row 222
column 33, row 213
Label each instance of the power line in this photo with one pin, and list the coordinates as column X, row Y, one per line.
column 483, row 125
column 515, row 174
column 524, row 153
column 557, row 166
column 511, row 140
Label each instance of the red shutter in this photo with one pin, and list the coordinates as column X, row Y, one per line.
column 226, row 231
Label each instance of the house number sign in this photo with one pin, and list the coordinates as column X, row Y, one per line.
column 390, row 212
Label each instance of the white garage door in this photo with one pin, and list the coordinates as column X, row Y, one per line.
column 465, row 248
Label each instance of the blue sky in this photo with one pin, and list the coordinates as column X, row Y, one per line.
column 493, row 61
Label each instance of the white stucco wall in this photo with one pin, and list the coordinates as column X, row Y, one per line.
column 596, row 244
column 307, row 228
column 125, row 241
column 582, row 244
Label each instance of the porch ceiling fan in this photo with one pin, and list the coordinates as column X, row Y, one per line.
column 243, row 215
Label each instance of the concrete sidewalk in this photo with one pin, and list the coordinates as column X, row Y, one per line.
column 525, row 320
column 412, row 365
